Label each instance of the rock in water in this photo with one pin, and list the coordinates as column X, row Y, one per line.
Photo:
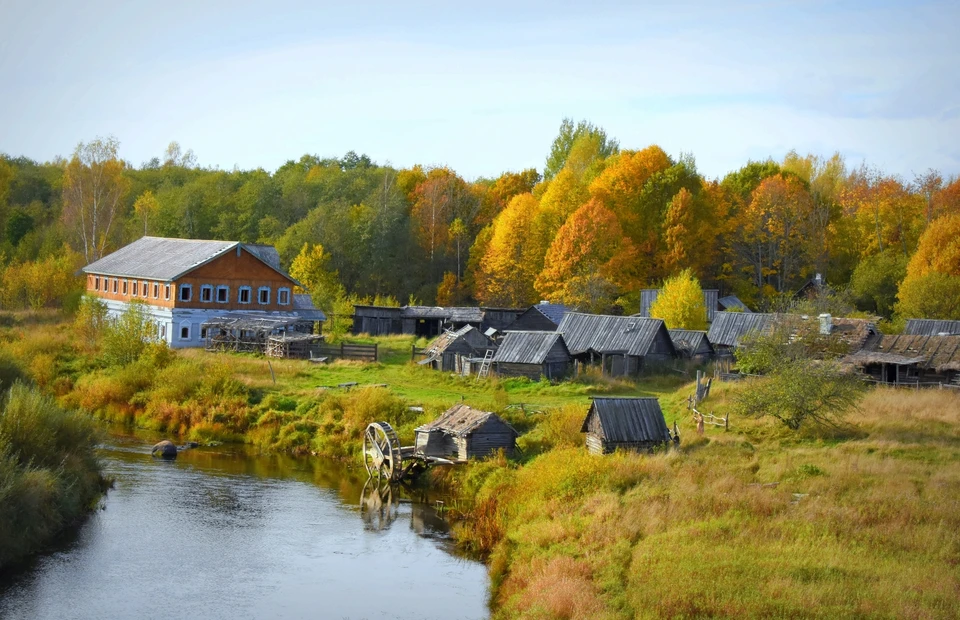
column 165, row 449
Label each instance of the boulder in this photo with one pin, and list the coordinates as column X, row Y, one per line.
column 165, row 449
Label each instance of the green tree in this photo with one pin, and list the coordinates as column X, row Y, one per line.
column 680, row 302
column 146, row 207
column 127, row 337
column 312, row 269
column 876, row 279
column 799, row 393
column 563, row 143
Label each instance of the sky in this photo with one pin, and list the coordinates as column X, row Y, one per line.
column 483, row 90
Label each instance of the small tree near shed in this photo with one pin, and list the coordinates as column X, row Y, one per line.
column 680, row 303
column 802, row 392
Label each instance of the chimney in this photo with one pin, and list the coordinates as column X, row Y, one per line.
column 544, row 302
column 826, row 324
column 819, row 280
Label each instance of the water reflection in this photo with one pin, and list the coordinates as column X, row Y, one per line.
column 230, row 534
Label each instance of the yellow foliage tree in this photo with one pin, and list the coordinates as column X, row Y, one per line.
column 509, row 262
column 680, row 302
column 931, row 289
column 311, row 268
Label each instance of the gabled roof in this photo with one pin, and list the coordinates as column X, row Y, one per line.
column 937, row 352
column 603, row 333
column 303, row 307
column 554, row 312
column 447, row 338
column 731, row 302
column 461, row 420
column 728, row 328
column 160, row 258
column 689, row 340
column 931, row 327
column 527, row 347
column 629, row 419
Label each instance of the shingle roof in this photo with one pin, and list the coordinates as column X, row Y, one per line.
column 689, row 340
column 629, row 419
column 461, row 420
column 609, row 334
column 303, row 307
column 931, row 327
column 526, row 347
column 554, row 312
column 728, row 328
column 444, row 340
column 160, row 258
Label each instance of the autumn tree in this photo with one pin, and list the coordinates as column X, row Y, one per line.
column 439, row 199
column 312, row 269
column 146, row 207
column 508, row 267
column 931, row 288
column 680, row 302
column 93, row 189
column 568, row 135
column 589, row 262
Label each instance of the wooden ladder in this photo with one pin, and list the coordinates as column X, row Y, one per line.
column 485, row 366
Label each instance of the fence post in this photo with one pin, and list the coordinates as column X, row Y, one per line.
column 726, row 422
column 376, row 357
column 341, row 351
column 413, row 353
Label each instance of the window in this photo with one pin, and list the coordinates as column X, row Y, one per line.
column 166, row 291
column 134, row 293
column 223, row 294
column 96, row 283
column 185, row 330
column 125, row 283
column 283, row 296
column 243, row 296
column 203, row 333
column 115, row 285
column 163, row 331
column 156, row 290
column 263, row 295
column 206, row 293
column 186, row 292
column 144, row 289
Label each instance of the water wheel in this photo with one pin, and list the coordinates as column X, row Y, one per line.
column 378, row 507
column 381, row 451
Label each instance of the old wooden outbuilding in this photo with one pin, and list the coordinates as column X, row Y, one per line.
column 463, row 433
column 910, row 359
column 453, row 349
column 931, row 327
column 544, row 317
column 626, row 424
column 692, row 344
column 730, row 328
column 533, row 355
column 428, row 321
column 731, row 303
column 620, row 345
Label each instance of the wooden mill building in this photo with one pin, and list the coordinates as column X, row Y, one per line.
column 635, row 424
column 185, row 282
column 543, row 317
column 692, row 344
column 532, row 355
column 463, row 433
column 621, row 345
column 453, row 349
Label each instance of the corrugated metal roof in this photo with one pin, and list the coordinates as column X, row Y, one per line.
column 554, row 312
column 689, row 340
column 731, row 302
column 728, row 328
column 609, row 334
column 303, row 307
column 629, row 419
column 160, row 258
column 461, row 420
column 526, row 347
column 931, row 327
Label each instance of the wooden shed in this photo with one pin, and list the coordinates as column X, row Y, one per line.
column 692, row 344
column 931, row 327
column 465, row 433
column 533, row 355
column 910, row 359
column 544, row 317
column 730, row 328
column 626, row 424
column 621, row 345
column 452, row 349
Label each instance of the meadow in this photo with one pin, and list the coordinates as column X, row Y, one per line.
column 757, row 520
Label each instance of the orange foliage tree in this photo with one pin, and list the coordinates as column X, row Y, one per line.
column 509, row 266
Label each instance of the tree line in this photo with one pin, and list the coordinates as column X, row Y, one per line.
column 599, row 223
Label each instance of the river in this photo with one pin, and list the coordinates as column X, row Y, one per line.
column 222, row 533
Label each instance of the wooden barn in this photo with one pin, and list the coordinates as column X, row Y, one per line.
column 427, row 321
column 649, row 295
column 635, row 424
column 729, row 328
column 465, row 433
column 731, row 303
column 543, row 317
column 931, row 327
column 692, row 344
column 533, row 355
column 620, row 345
column 453, row 349
column 910, row 359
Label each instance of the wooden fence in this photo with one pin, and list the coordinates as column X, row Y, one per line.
column 347, row 351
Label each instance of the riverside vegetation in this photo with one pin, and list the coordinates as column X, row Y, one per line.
column 860, row 519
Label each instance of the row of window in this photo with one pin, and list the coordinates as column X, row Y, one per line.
column 244, row 294
column 136, row 288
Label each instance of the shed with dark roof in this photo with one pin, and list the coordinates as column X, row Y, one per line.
column 532, row 355
column 543, row 317
column 730, row 328
column 625, row 424
column 692, row 344
column 464, row 433
column 622, row 345
column 452, row 350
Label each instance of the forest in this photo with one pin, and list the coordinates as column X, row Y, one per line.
column 591, row 229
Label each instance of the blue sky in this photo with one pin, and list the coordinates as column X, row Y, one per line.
column 483, row 90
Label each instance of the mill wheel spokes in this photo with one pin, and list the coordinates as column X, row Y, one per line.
column 381, row 451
